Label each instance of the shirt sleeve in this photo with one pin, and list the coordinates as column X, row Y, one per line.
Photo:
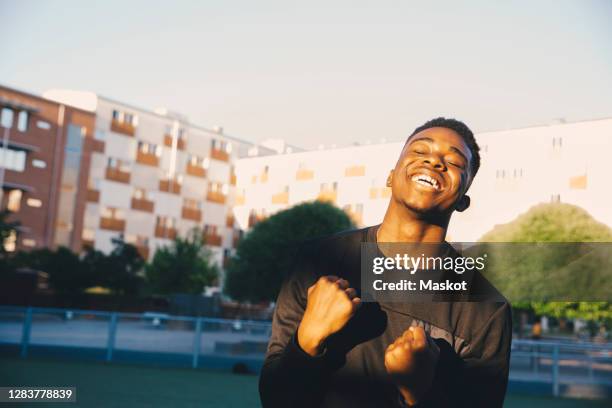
column 290, row 377
column 479, row 377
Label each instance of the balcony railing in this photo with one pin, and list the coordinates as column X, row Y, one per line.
column 216, row 197
column 328, row 195
column 141, row 204
column 229, row 221
column 180, row 143
column 93, row 196
column 212, row 239
column 97, row 145
column 115, row 174
column 144, row 251
column 280, row 198
column 169, row 186
column 148, row 159
column 191, row 214
column 219, row 154
column 165, row 232
column 303, row 174
column 112, row 224
column 197, row 171
column 123, row 128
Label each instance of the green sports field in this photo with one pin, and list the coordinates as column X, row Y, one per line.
column 115, row 385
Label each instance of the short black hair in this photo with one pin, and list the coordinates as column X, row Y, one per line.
column 462, row 130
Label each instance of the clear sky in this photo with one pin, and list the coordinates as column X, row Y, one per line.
column 321, row 72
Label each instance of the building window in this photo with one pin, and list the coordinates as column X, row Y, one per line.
column 192, row 204
column 22, row 121
column 41, row 124
column 34, row 202
column 197, row 161
column 28, row 242
column 41, row 164
column 118, row 164
column 14, row 200
column 10, row 242
column 557, row 142
column 222, row 145
column 88, row 234
column 166, row 222
column 99, row 135
column 140, row 194
column 149, row 148
column 6, row 118
column 124, row 117
column 12, row 159
column 555, row 198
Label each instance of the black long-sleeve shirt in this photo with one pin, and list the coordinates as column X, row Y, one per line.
column 474, row 340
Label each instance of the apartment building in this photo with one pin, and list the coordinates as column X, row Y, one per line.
column 157, row 176
column 563, row 162
column 45, row 151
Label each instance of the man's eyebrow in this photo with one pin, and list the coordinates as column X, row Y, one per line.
column 453, row 148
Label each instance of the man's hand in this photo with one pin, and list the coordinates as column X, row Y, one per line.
column 331, row 303
column 411, row 361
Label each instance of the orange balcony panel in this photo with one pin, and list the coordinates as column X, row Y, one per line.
column 123, row 128
column 213, row 239
column 280, row 198
column 264, row 177
column 97, row 145
column 302, row 175
column 196, row 171
column 117, row 175
column 229, row 221
column 165, row 232
column 233, row 179
column 386, row 192
column 180, row 143
column 354, row 171
column 373, row 193
column 329, row 196
column 143, row 250
column 147, row 159
column 216, row 197
column 240, row 200
column 112, row 224
column 219, row 154
column 87, row 244
column 169, row 186
column 93, row 196
column 191, row 214
column 578, row 182
column 142, row 205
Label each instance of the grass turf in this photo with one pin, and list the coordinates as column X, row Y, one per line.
column 117, row 385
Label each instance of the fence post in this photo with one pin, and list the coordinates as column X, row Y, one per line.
column 25, row 334
column 112, row 331
column 196, row 343
column 555, row 370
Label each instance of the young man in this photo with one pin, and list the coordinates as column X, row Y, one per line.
column 329, row 349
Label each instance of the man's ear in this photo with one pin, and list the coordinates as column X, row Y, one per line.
column 390, row 178
column 463, row 203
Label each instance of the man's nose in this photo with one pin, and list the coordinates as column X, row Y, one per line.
column 435, row 161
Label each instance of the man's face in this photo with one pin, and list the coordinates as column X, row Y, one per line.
column 433, row 172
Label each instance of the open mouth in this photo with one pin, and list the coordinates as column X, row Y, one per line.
column 427, row 181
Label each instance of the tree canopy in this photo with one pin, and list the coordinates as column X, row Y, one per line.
column 266, row 254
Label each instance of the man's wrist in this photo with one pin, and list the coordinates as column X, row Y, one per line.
column 311, row 344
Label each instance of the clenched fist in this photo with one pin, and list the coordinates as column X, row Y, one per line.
column 330, row 305
column 411, row 361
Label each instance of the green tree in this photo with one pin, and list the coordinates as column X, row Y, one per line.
column 120, row 270
column 182, row 267
column 267, row 252
column 68, row 275
column 534, row 274
column 6, row 229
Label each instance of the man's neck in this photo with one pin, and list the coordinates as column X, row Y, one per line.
column 404, row 225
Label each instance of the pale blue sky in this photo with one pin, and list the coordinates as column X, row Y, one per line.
column 326, row 72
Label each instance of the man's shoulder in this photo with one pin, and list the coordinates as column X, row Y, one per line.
column 339, row 240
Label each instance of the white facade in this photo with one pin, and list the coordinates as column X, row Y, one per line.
column 519, row 168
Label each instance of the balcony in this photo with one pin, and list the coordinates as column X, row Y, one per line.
column 97, row 145
column 219, row 154
column 303, row 175
column 165, row 232
column 280, row 198
column 196, row 171
column 87, row 244
column 232, row 179
column 112, row 224
column 123, row 128
column 143, row 250
column 216, row 197
column 169, row 186
column 229, row 221
column 115, row 174
column 93, row 196
column 328, row 196
column 180, row 143
column 149, row 159
column 212, row 239
column 192, row 214
column 240, row 200
column 354, row 171
column 141, row 204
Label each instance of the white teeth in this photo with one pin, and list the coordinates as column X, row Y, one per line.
column 426, row 180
